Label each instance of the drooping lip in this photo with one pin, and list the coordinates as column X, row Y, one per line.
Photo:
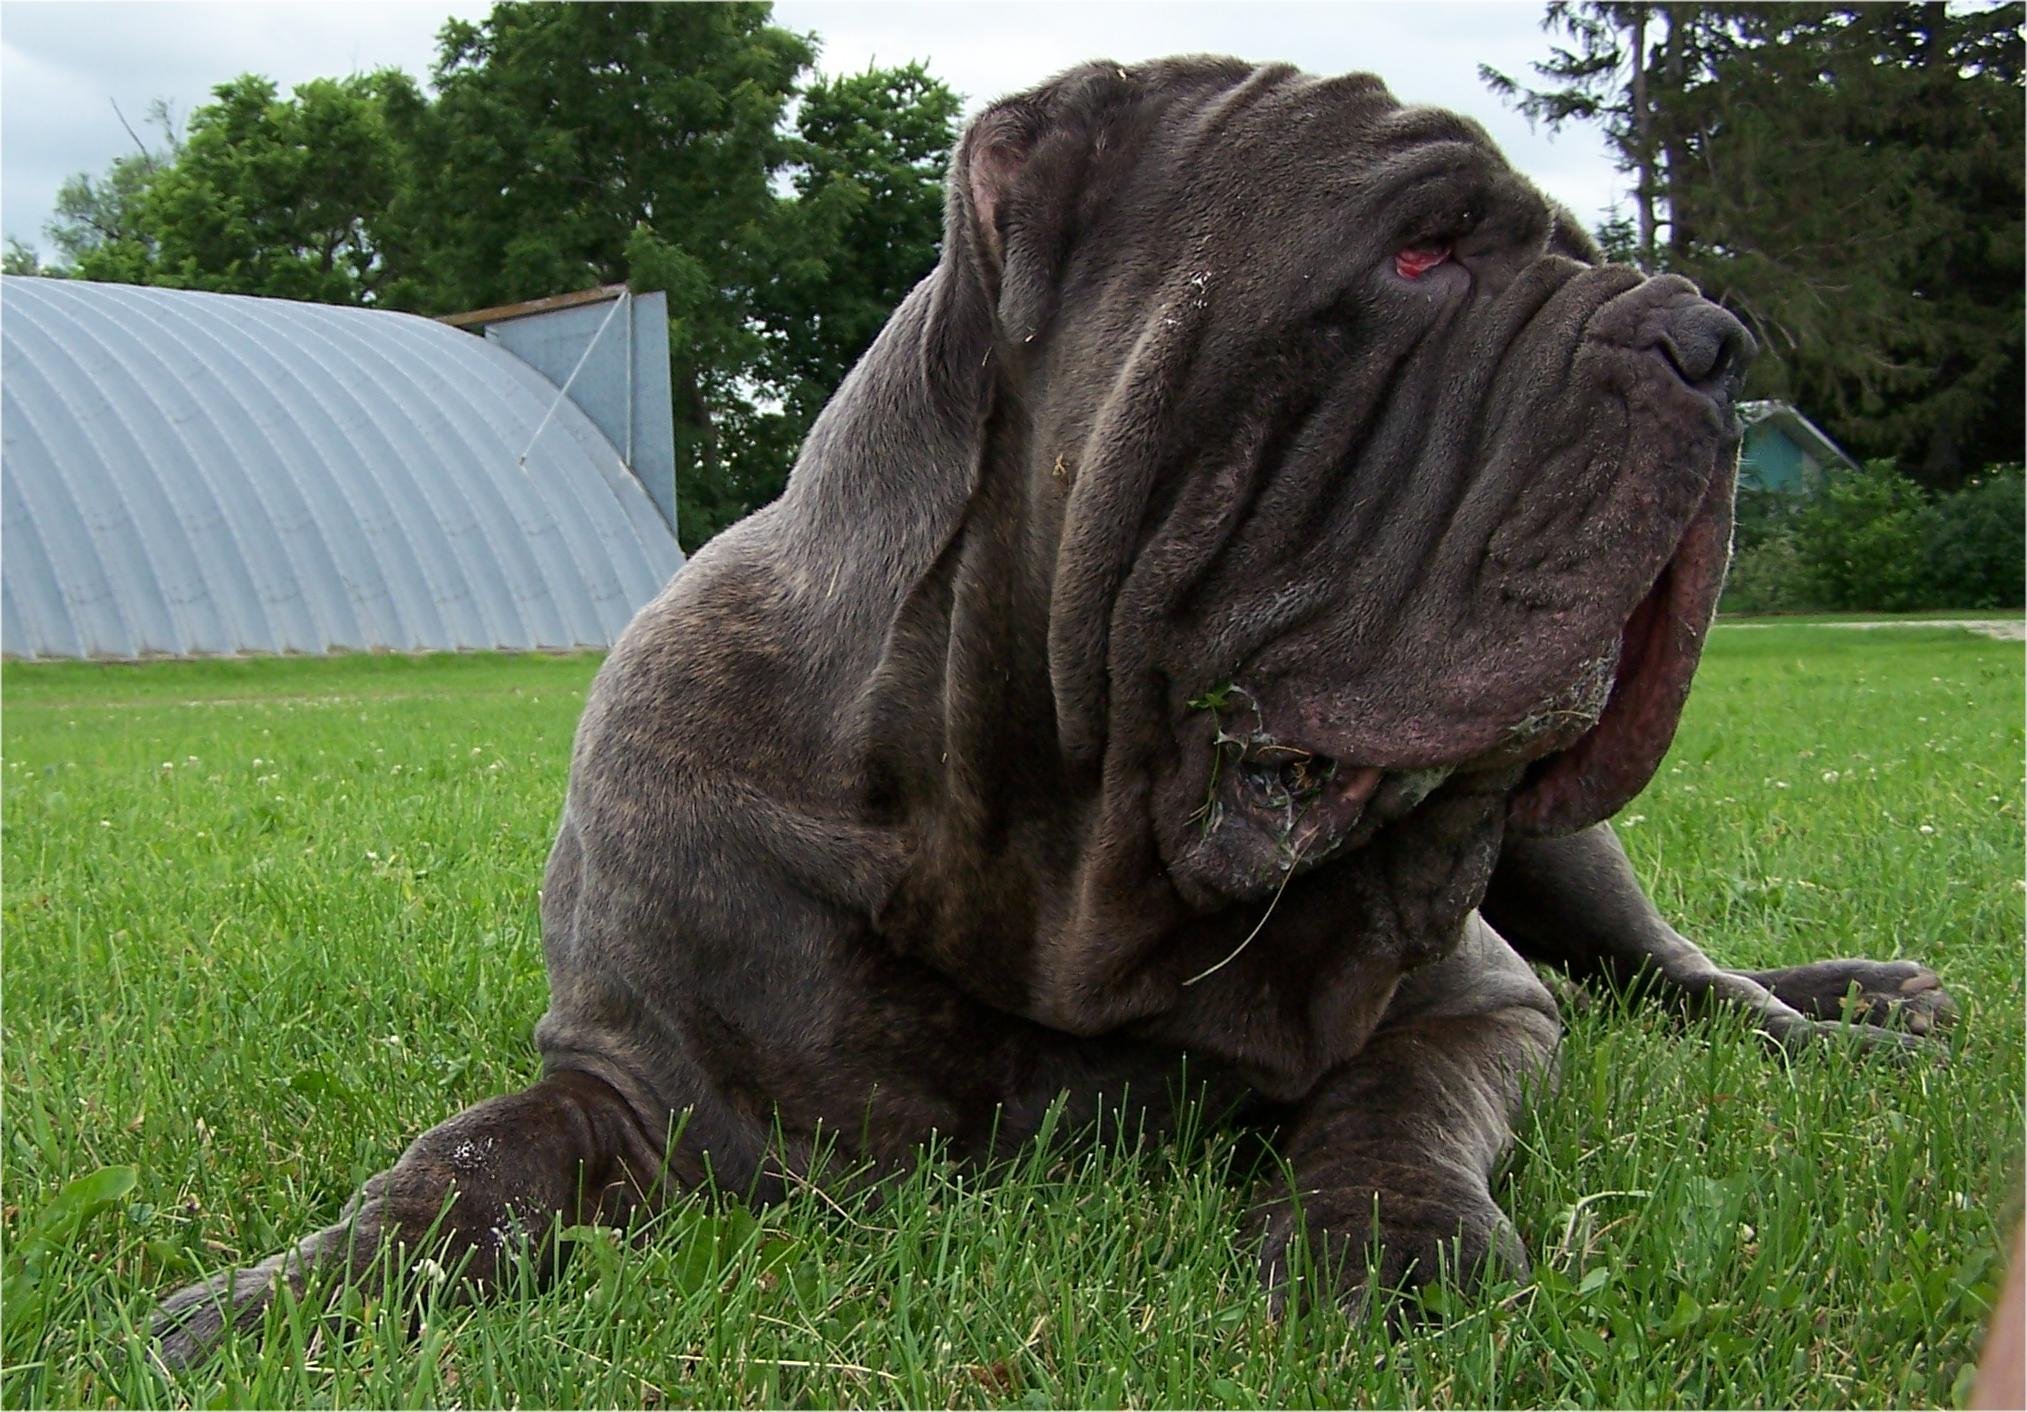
column 1595, row 776
column 1587, row 744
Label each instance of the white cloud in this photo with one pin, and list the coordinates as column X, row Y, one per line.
column 63, row 67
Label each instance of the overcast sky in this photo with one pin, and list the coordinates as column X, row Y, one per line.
column 66, row 64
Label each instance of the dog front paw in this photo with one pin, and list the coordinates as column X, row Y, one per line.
column 189, row 1323
column 1386, row 1240
column 1903, row 993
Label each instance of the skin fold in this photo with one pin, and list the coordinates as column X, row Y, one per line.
column 1198, row 632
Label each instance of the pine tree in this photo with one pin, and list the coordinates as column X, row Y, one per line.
column 1625, row 67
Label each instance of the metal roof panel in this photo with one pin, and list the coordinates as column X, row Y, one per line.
column 191, row 473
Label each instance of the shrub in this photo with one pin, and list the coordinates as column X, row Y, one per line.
column 1873, row 541
column 1977, row 543
column 1762, row 515
column 1863, row 542
column 1766, row 577
column 1766, row 570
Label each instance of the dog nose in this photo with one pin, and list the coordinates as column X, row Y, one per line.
column 1707, row 347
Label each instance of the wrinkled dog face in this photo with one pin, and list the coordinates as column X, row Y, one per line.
column 1431, row 498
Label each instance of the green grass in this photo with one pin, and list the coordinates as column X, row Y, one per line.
column 265, row 921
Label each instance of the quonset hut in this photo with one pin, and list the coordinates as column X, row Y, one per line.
column 191, row 474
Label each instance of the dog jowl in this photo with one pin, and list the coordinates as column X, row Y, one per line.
column 1212, row 624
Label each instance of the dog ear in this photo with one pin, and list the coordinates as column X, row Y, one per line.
column 1017, row 193
column 996, row 148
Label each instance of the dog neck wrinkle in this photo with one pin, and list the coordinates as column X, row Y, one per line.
column 962, row 727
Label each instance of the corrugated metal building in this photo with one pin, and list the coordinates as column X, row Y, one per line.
column 191, row 474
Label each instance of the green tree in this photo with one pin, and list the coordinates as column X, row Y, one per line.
column 101, row 218
column 1861, row 197
column 590, row 144
column 21, row 259
column 1626, row 67
column 870, row 188
column 868, row 225
column 271, row 196
column 575, row 145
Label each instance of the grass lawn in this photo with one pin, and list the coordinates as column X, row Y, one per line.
column 264, row 921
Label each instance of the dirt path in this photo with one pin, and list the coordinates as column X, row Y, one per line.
column 2004, row 629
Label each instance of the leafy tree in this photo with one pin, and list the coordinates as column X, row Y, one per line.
column 575, row 145
column 560, row 129
column 585, row 144
column 21, row 259
column 870, row 183
column 868, row 225
column 272, row 196
column 101, row 218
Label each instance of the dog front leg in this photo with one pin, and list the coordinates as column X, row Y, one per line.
column 1574, row 902
column 473, row 1194
column 1391, row 1158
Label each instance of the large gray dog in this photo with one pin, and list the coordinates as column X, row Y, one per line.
column 1214, row 619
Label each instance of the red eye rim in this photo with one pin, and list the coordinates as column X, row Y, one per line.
column 1417, row 260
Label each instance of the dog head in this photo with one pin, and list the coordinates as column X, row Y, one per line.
column 1335, row 470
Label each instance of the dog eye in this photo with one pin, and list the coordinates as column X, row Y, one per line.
column 1417, row 260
